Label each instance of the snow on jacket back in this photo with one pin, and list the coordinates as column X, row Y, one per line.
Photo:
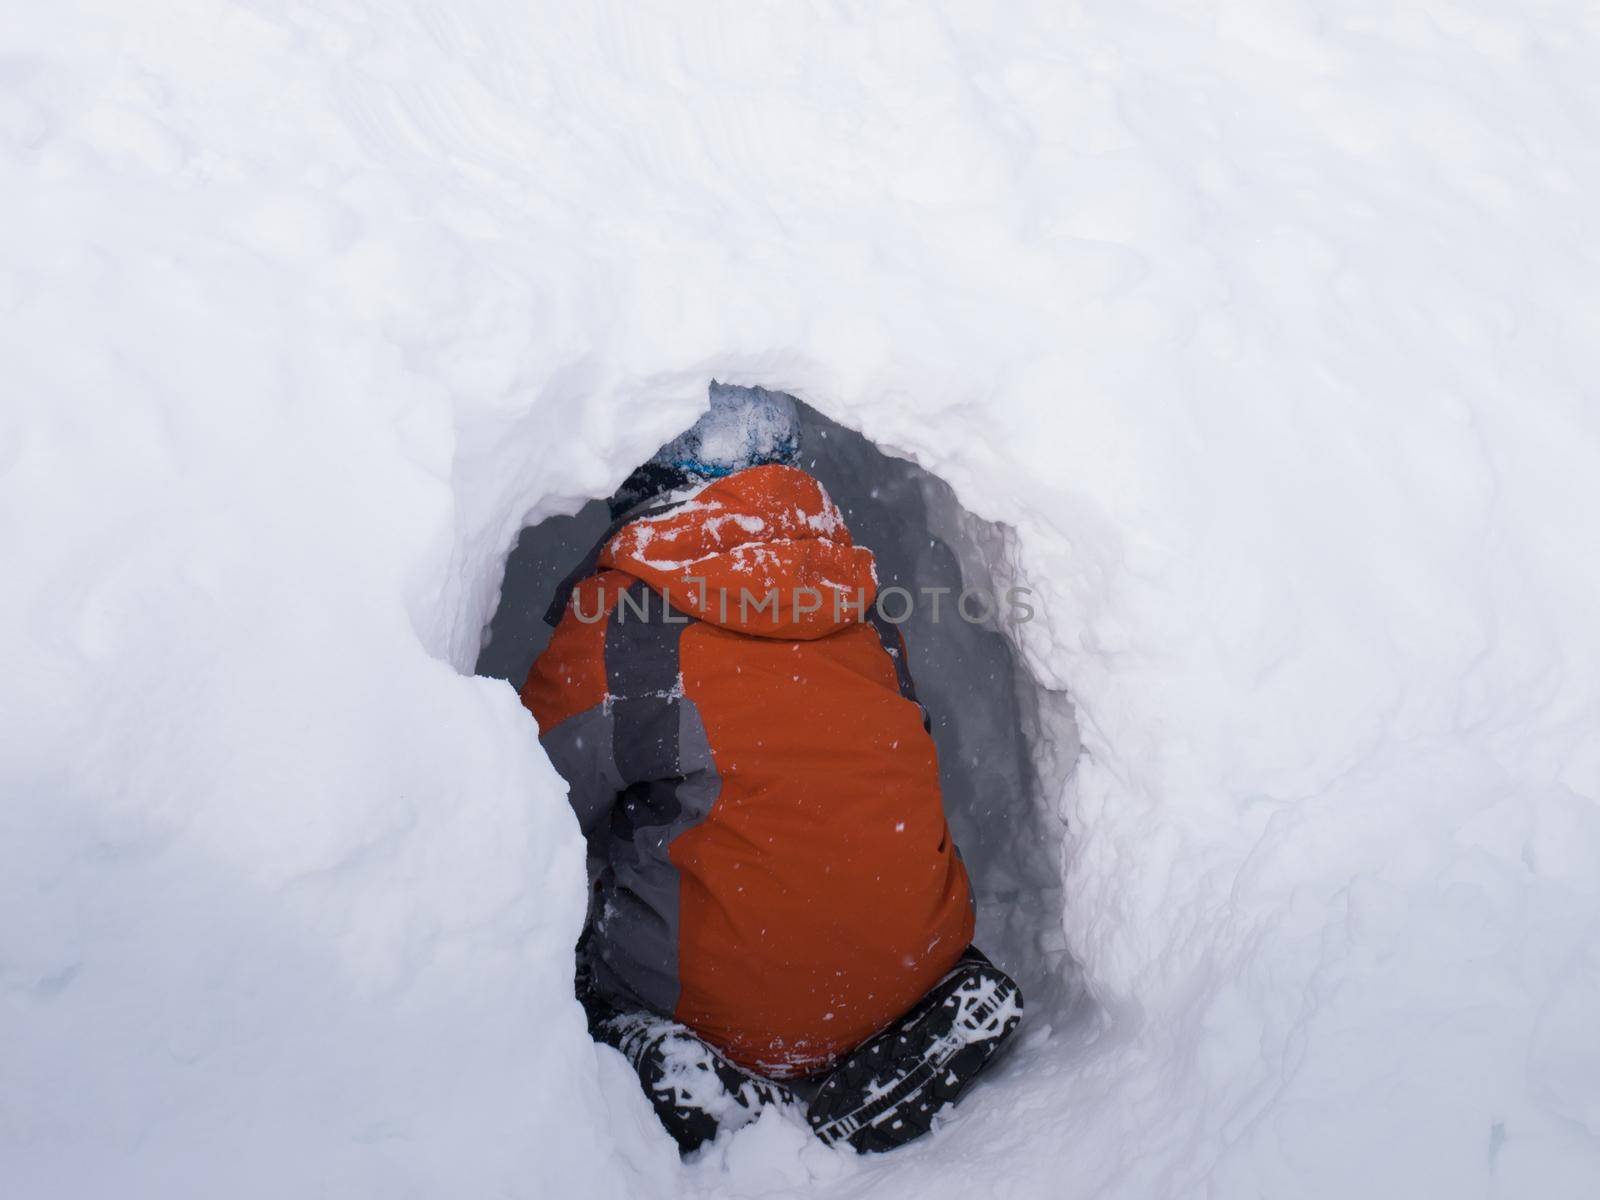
column 779, row 874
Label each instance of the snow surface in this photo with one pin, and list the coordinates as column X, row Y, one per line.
column 1269, row 330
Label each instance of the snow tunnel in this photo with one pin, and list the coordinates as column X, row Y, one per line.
column 1004, row 742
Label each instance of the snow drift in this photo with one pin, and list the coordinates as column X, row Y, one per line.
column 1265, row 335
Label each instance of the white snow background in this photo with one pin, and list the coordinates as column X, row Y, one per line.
column 1272, row 329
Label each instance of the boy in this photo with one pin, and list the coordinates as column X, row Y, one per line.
column 781, row 898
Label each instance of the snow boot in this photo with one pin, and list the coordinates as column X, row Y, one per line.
column 695, row 1091
column 889, row 1090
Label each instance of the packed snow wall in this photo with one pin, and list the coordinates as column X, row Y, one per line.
column 1267, row 330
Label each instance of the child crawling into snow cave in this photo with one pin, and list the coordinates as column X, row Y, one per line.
column 782, row 916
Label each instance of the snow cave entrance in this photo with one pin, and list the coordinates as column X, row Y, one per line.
column 1004, row 742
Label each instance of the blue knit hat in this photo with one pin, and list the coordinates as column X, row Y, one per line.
column 744, row 427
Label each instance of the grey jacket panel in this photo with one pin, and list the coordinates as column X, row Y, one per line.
column 581, row 748
column 655, row 752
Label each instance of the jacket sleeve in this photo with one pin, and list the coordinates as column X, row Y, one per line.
column 566, row 692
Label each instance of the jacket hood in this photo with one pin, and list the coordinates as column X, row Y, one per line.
column 764, row 552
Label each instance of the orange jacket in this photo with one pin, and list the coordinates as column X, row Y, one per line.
column 779, row 874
